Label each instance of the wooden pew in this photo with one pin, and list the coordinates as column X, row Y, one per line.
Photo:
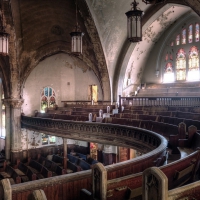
column 57, row 159
column 10, row 173
column 178, row 173
column 52, row 166
column 78, row 162
column 25, row 172
column 39, row 169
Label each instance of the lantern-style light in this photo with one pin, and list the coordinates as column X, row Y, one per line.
column 153, row 1
column 3, row 36
column 134, row 23
column 76, row 41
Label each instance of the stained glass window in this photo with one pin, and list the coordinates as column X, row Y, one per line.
column 184, row 36
column 193, row 69
column 168, row 73
column 181, row 65
column 197, row 32
column 177, row 39
column 3, row 118
column 3, row 129
column 190, row 35
column 172, row 44
column 48, row 98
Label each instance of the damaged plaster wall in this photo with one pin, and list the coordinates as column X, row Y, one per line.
column 33, row 140
column 67, row 75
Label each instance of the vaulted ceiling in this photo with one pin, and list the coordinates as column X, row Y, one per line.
column 40, row 29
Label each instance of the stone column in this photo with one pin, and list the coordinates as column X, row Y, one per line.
column 7, row 129
column 65, row 153
column 15, row 128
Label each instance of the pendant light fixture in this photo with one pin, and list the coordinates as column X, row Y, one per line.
column 3, row 34
column 76, row 39
column 134, row 23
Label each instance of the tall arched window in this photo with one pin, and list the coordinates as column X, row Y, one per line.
column 190, row 35
column 185, row 66
column 197, row 32
column 193, row 68
column 178, row 39
column 168, row 73
column 180, row 65
column 48, row 98
column 183, row 36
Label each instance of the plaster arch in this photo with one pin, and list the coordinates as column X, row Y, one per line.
column 133, row 51
column 69, row 77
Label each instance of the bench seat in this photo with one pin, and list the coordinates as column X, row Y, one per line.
column 5, row 175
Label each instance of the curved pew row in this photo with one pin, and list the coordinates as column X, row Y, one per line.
column 179, row 173
column 180, row 135
column 160, row 118
column 69, row 186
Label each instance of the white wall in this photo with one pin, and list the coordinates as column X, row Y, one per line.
column 33, row 140
column 68, row 76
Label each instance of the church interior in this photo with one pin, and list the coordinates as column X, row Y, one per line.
column 100, row 99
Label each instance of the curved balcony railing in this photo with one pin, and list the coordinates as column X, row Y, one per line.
column 113, row 134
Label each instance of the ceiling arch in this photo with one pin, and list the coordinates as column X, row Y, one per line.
column 110, row 20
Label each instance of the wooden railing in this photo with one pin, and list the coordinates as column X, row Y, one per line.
column 159, row 101
column 113, row 134
column 69, row 186
column 117, row 188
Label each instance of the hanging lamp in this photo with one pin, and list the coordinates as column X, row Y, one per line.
column 3, row 35
column 134, row 23
column 76, row 38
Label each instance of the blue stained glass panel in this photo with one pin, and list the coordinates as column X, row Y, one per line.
column 46, row 91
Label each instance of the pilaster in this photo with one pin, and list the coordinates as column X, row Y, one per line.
column 13, row 128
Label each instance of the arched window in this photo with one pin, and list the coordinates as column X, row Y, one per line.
column 168, row 73
column 177, row 39
column 180, row 65
column 193, row 68
column 185, row 66
column 190, row 36
column 3, row 118
column 183, row 36
column 197, row 32
column 48, row 98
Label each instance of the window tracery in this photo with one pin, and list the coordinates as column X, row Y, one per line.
column 193, row 63
column 168, row 73
column 48, row 98
column 182, row 57
column 181, row 65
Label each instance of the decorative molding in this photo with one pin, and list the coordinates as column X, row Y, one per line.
column 15, row 103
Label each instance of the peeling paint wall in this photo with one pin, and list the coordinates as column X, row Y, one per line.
column 33, row 140
column 67, row 75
